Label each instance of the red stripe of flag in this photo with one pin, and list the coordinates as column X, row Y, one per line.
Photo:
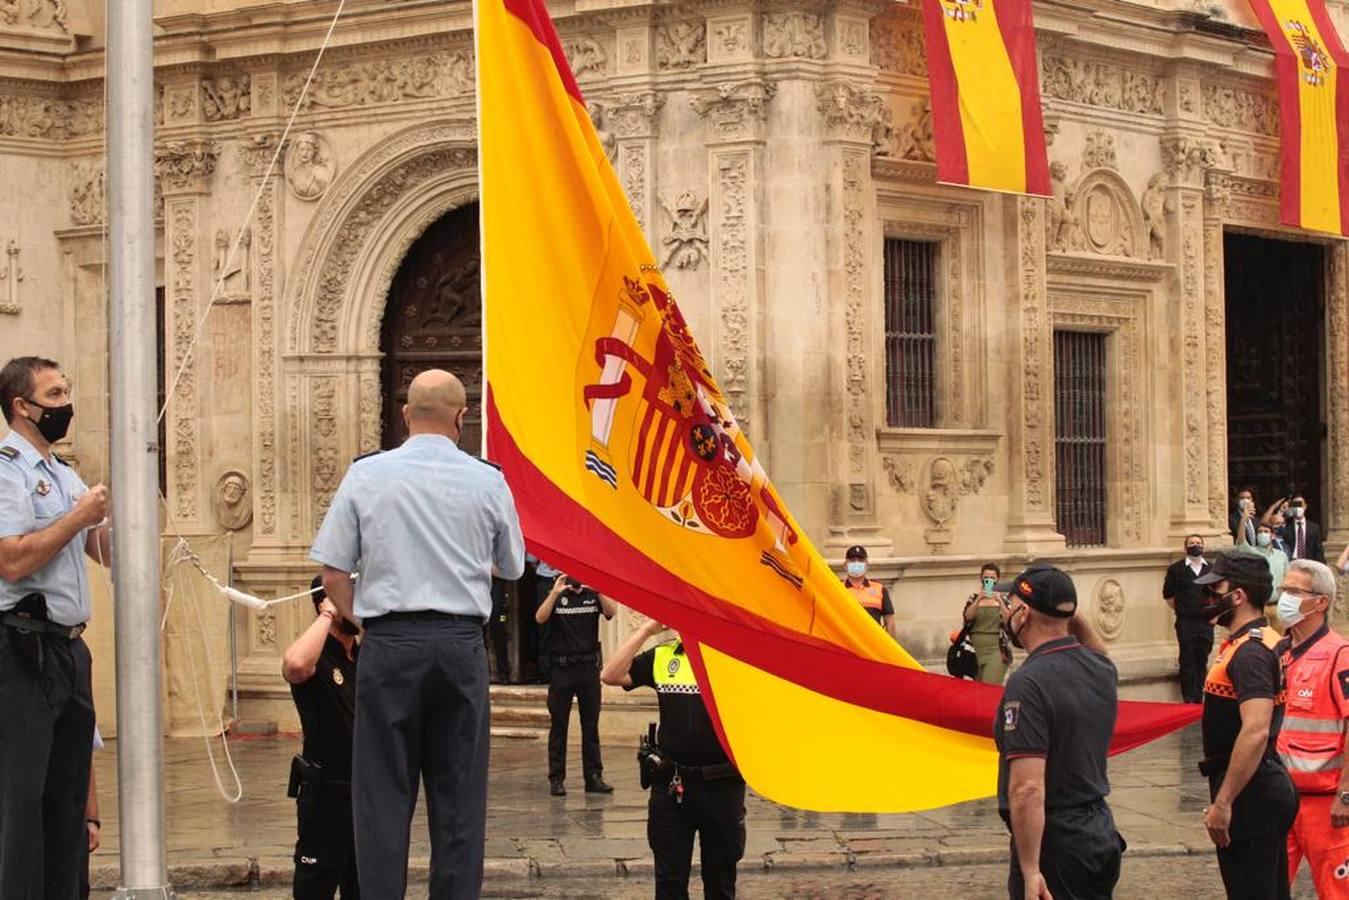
column 536, row 19
column 1290, row 116
column 1016, row 23
column 944, row 96
column 1336, row 50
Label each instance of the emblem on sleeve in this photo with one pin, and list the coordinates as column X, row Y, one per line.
column 43, row 488
column 1011, row 711
column 337, row 677
column 1344, row 684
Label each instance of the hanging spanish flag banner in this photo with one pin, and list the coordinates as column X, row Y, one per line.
column 984, row 83
column 630, row 473
column 1313, row 113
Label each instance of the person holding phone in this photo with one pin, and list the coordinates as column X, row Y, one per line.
column 983, row 614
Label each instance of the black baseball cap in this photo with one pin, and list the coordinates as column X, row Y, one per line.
column 1043, row 588
column 856, row 551
column 1243, row 568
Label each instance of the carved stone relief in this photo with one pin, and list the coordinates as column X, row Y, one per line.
column 310, row 165
column 794, row 34
column 730, row 39
column 44, row 15
column 1240, row 109
column 233, row 501
column 897, row 44
column 11, row 276
column 685, row 242
column 87, row 194
column 736, row 110
column 1192, row 343
column 899, row 472
column 1099, row 152
column 183, row 411
column 634, row 115
column 1186, row 158
column 946, row 484
column 733, row 289
column 186, row 165
column 1156, row 207
column 912, row 140
column 1101, row 84
column 632, row 170
column 324, row 446
column 27, row 116
column 681, row 45
column 226, row 98
column 1337, row 307
column 1110, row 609
column 265, row 356
column 446, row 73
column 850, row 112
column 1096, row 214
column 1215, row 343
column 856, row 186
column 1034, row 352
column 606, row 138
column 233, row 271
column 586, row 56
column 1063, row 229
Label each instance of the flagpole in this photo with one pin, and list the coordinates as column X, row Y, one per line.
column 134, row 444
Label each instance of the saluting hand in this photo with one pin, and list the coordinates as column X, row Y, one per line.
column 1217, row 819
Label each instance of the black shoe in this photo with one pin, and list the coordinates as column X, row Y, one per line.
column 595, row 785
column 556, row 789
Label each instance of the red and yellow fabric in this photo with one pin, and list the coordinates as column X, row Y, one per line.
column 630, row 473
column 1310, row 64
column 984, row 83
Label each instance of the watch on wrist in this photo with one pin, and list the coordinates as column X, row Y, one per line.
column 1343, row 797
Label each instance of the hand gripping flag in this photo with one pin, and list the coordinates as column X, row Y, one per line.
column 630, row 472
column 984, row 84
column 1313, row 113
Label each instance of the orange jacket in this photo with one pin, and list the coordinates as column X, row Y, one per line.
column 871, row 594
column 1311, row 742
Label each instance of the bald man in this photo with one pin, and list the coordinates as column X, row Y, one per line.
column 423, row 526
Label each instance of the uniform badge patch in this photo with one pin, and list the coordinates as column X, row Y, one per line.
column 1344, row 684
column 43, row 488
column 566, row 601
column 1011, row 712
column 673, row 667
column 9, row 452
column 337, row 677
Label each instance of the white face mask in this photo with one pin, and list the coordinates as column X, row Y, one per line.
column 1290, row 609
column 1263, row 539
column 857, row 569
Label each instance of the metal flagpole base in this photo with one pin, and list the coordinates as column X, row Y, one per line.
column 164, row 893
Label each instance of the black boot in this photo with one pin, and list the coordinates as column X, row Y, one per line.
column 556, row 789
column 595, row 784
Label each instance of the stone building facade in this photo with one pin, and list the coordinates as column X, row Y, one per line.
column 774, row 152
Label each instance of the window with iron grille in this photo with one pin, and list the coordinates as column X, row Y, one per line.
column 910, row 333
column 1079, row 436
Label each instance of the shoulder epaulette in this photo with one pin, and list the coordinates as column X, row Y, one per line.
column 488, row 462
column 9, row 452
column 1256, row 635
column 366, row 455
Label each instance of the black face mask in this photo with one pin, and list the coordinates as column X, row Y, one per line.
column 1195, row 550
column 54, row 423
column 1215, row 604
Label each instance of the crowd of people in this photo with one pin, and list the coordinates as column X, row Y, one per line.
column 433, row 534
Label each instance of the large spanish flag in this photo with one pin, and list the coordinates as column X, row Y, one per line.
column 984, row 83
column 1313, row 112
column 630, row 472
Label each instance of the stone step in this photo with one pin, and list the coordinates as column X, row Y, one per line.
column 518, row 734
column 522, row 716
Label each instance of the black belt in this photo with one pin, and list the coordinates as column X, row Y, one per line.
column 706, row 773
column 425, row 615
column 42, row 626
column 578, row 659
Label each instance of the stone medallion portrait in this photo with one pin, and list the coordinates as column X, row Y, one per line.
column 310, row 166
column 1110, row 608
column 233, row 501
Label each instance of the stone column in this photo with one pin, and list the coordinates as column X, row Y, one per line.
column 1216, row 196
column 634, row 120
column 184, row 170
column 1030, row 391
column 1337, row 387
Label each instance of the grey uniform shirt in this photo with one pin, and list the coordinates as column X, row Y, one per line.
column 422, row 525
column 34, row 493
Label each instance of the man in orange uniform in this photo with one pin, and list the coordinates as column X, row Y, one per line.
column 1311, row 743
column 873, row 595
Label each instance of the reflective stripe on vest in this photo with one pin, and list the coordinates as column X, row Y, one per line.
column 871, row 595
column 1218, row 682
column 673, row 673
column 1311, row 742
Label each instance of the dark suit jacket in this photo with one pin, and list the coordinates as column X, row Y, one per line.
column 1189, row 597
column 1315, row 548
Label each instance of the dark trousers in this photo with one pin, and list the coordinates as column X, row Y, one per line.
column 495, row 632
column 46, row 745
column 1080, row 855
column 1255, row 865
column 1194, row 651
column 715, row 811
column 422, row 713
column 325, row 851
column 582, row 681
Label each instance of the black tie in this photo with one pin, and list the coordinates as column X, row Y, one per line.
column 1300, row 550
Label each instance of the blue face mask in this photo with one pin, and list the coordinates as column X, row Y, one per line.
column 856, row 569
column 1290, row 609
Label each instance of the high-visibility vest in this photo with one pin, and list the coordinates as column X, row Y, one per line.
column 672, row 671
column 1311, row 743
column 871, row 594
column 1218, row 682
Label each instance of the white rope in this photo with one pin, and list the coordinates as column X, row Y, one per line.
column 219, row 285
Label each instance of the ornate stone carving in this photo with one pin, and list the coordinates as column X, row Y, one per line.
column 258, row 151
column 186, row 165
column 634, row 115
column 736, row 111
column 897, row 45
column 310, row 165
column 28, row 116
column 946, row 484
column 376, row 201
column 233, row 272
column 1215, row 363
column 370, row 399
column 445, row 73
column 852, row 39
column 182, row 243
column 1112, row 224
column 1192, row 341
column 233, row 505
column 733, row 289
column 632, row 170
column 44, row 15
column 87, row 194
column 1034, row 351
column 226, row 98
column 855, row 170
column 11, row 276
column 1101, row 84
column 265, row 356
column 850, row 113
column 1156, row 206
column 686, row 241
column 681, row 45
column 911, row 141
column 267, row 626
column 794, row 34
column 900, row 474
column 586, row 56
column 606, row 138
column 1099, row 153
column 1337, row 309
column 731, row 38
column 1186, row 158
column 1110, row 609
column 1241, row 110
column 1063, row 229
column 323, row 413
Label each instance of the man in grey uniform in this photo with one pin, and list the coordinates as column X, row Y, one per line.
column 49, row 520
column 423, row 525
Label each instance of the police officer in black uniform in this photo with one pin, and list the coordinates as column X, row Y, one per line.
column 573, row 650
column 1053, row 731
column 695, row 789
column 1253, row 799
column 321, row 669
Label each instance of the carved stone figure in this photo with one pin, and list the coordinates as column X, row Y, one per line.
column 943, row 491
column 225, row 98
column 686, row 243
column 86, row 195
column 681, row 45
column 45, row 14
column 794, row 34
column 309, row 166
column 233, row 505
column 1063, row 229
column 607, row 139
column 1155, row 207
column 232, row 274
column 1110, row 609
column 586, row 56
column 10, row 277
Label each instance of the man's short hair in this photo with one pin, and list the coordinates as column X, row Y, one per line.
column 991, row 567
column 18, row 379
column 1322, row 579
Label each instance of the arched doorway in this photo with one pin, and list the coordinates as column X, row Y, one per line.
column 433, row 320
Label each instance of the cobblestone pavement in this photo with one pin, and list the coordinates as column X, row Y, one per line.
column 1157, row 799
